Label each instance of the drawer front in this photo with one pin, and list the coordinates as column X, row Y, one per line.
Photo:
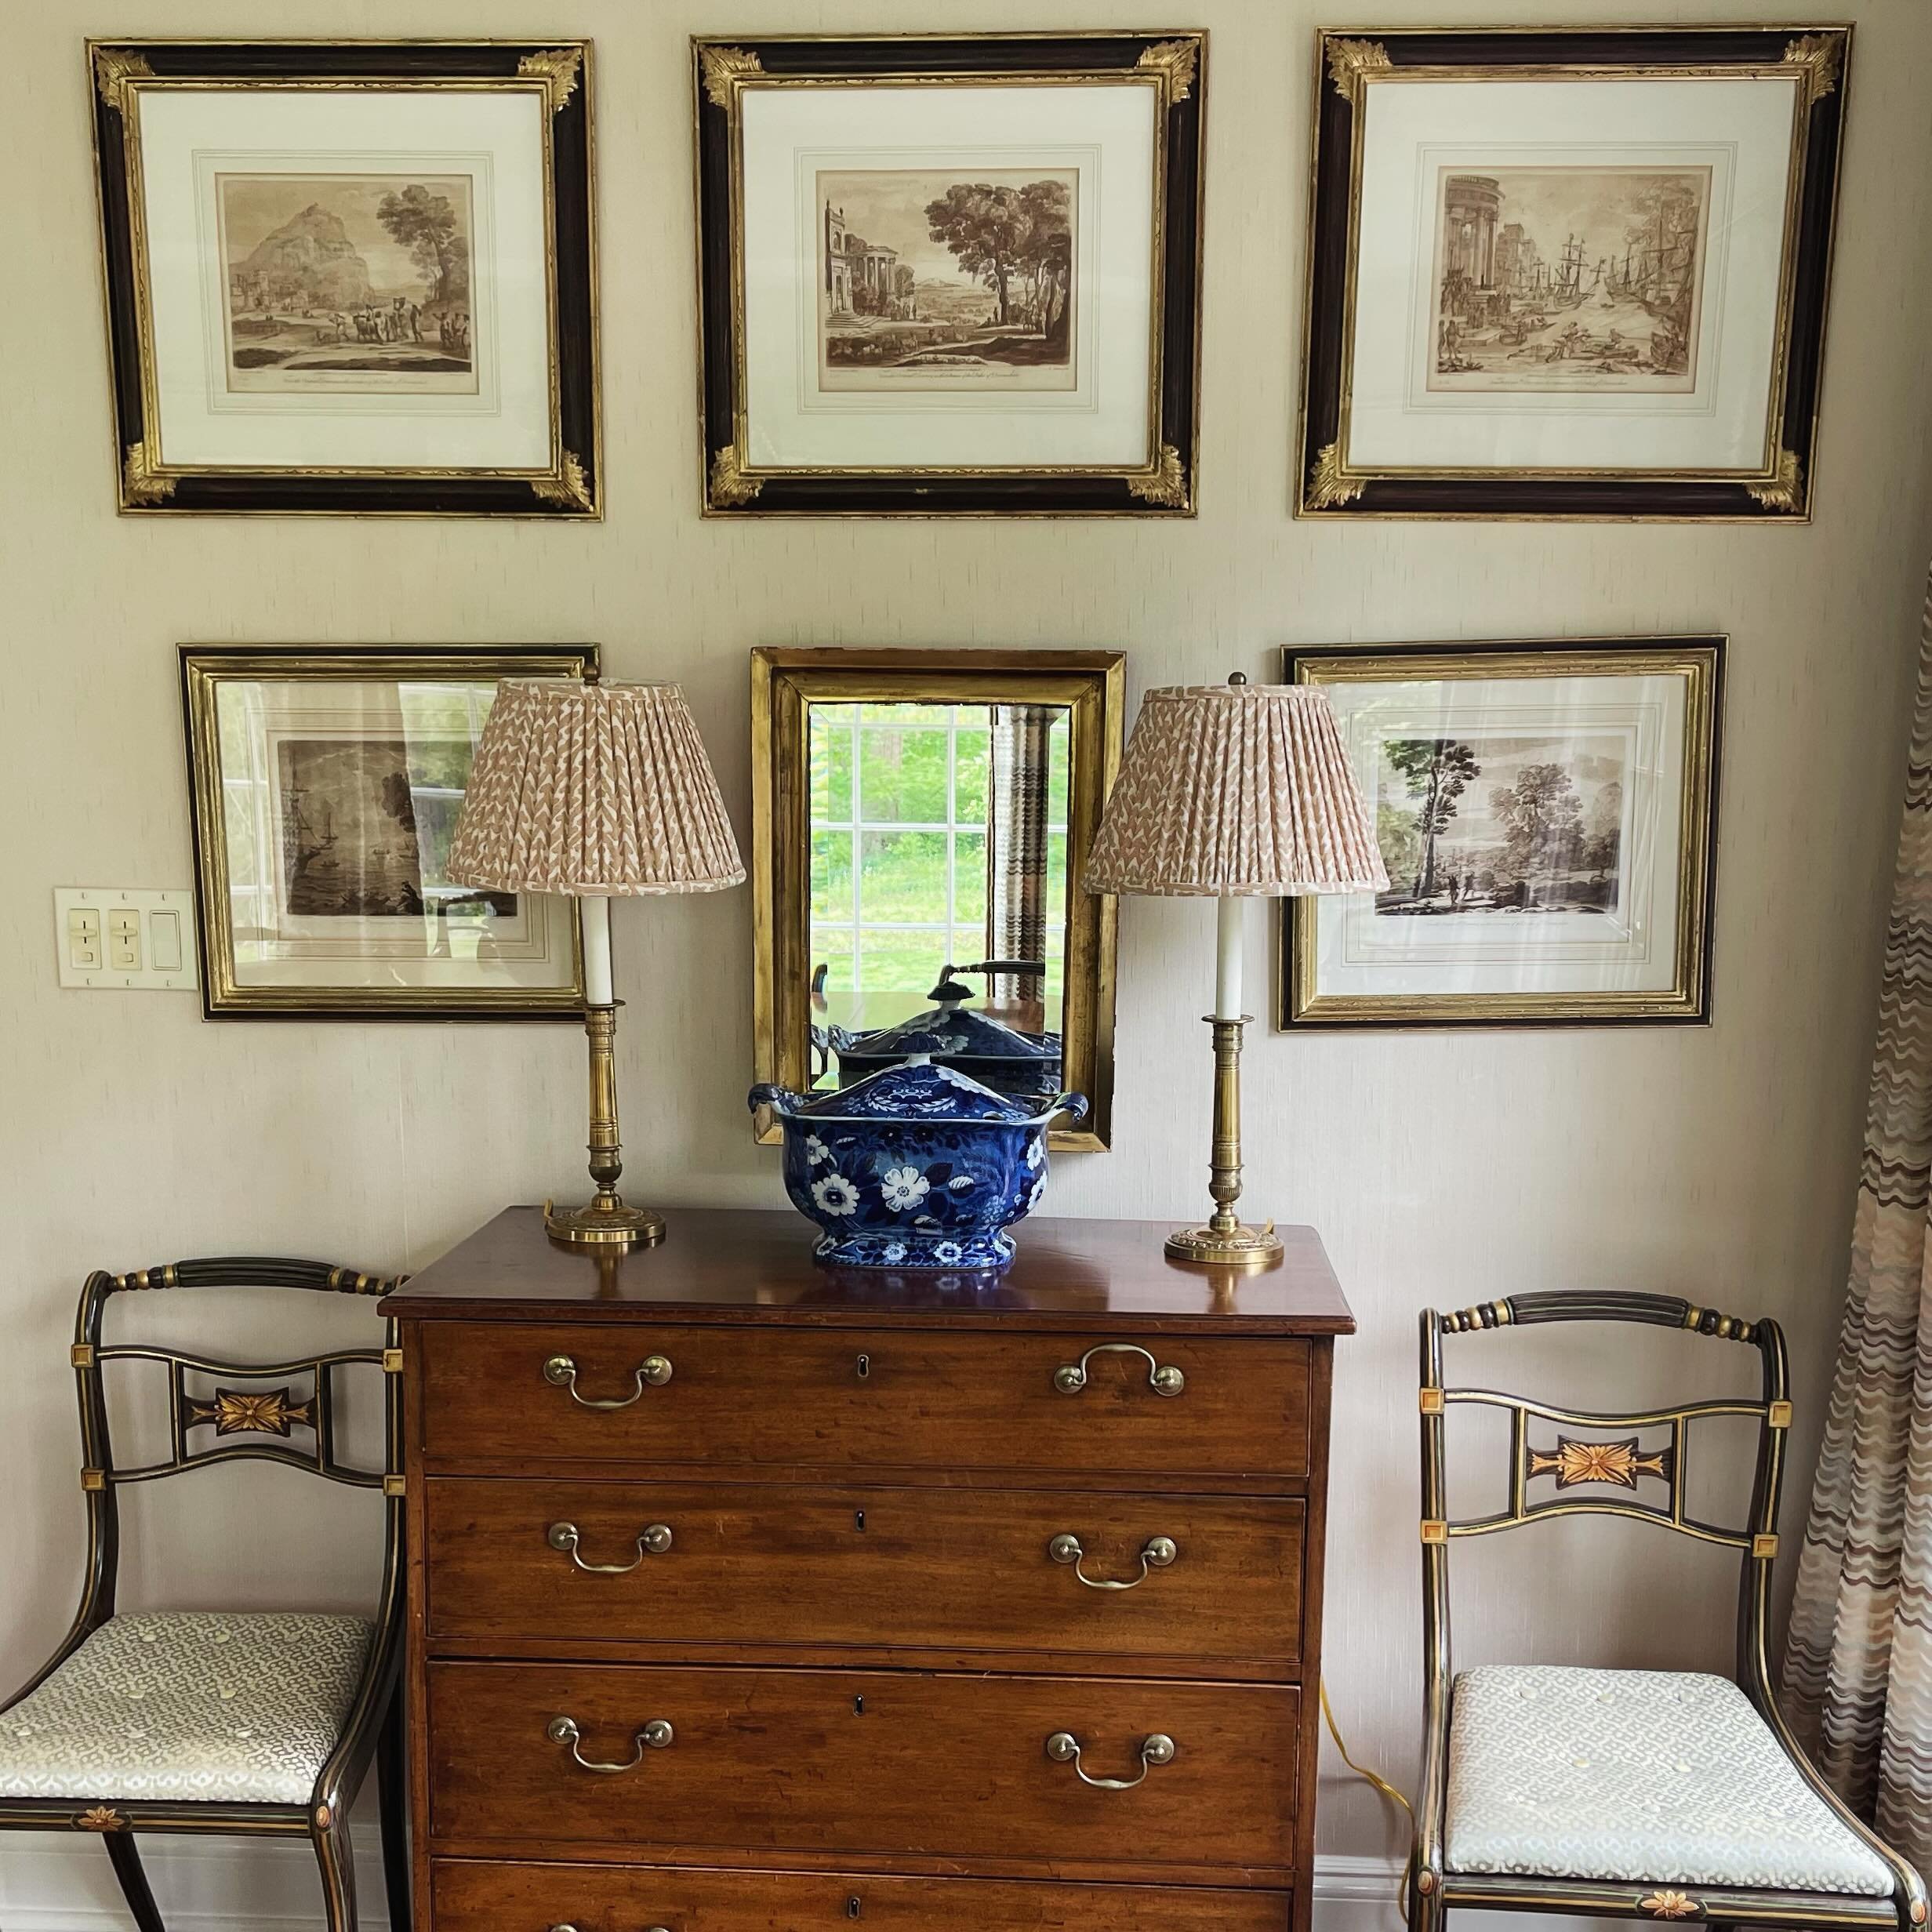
column 482, row 1896
column 947, row 1568
column 853, row 1761
column 887, row 1399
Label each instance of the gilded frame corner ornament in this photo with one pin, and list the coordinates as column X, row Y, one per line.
column 143, row 487
column 724, row 69
column 556, row 67
column 569, row 489
column 1698, row 661
column 115, row 70
column 1464, row 481
column 725, row 74
column 126, row 73
column 728, row 486
column 100, row 1818
column 1785, row 492
column 786, row 680
column 1669, row 1904
column 1328, row 487
column 1352, row 63
column 204, row 669
column 1166, row 484
column 1822, row 56
column 1176, row 59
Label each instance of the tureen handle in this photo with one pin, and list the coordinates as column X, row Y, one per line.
column 1074, row 1106
column 781, row 1100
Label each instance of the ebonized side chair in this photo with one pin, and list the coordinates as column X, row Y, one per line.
column 244, row 1724
column 1653, row 1795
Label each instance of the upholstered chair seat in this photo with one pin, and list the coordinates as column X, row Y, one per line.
column 1657, row 1777
column 198, row 1706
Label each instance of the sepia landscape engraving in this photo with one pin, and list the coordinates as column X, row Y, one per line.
column 1568, row 280
column 930, row 280
column 1496, row 825
column 363, row 838
column 347, row 282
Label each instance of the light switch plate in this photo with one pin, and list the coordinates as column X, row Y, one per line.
column 104, row 923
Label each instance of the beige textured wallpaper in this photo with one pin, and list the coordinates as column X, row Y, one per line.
column 1717, row 1163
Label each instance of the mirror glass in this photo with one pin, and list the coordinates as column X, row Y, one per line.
column 938, row 839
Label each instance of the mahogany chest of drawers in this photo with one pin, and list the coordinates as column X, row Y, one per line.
column 749, row 1597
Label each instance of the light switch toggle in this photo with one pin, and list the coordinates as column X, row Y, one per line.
column 84, row 938
column 124, row 939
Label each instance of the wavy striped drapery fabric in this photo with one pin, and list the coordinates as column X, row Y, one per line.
column 1857, row 1680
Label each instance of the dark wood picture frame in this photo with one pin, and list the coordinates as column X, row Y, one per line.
column 571, row 485
column 1699, row 659
column 1347, row 63
column 722, row 70
column 205, row 667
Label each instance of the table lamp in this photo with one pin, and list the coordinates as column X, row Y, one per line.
column 594, row 790
column 1233, row 791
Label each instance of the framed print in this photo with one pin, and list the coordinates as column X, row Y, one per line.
column 949, row 275
column 1569, row 273
column 1548, row 816
column 326, row 785
column 349, row 276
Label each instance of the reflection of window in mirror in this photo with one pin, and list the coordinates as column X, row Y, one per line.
column 938, row 834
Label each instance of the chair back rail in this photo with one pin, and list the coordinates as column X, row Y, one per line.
column 1607, row 1470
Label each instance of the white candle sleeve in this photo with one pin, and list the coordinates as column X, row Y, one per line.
column 1227, row 956
column 596, row 909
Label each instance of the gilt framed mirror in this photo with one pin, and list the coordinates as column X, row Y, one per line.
column 920, row 820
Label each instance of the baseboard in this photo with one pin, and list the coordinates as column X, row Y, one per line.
column 62, row 1884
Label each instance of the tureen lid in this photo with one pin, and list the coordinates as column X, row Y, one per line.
column 916, row 1089
column 948, row 1027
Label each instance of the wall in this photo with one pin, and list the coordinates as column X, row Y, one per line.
column 1717, row 1163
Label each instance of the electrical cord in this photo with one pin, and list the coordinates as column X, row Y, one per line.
column 1382, row 1786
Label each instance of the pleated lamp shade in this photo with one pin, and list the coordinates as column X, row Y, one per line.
column 593, row 789
column 1236, row 790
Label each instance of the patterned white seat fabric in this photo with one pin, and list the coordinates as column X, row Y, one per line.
column 189, row 1705
column 1645, row 1775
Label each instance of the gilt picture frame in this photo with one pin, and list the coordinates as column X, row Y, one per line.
column 349, row 276
column 326, row 783
column 1548, row 815
column 953, row 274
column 1569, row 273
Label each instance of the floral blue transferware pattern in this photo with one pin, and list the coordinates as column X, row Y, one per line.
column 918, row 1166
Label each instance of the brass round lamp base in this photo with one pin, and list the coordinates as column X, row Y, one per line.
column 606, row 1223
column 1238, row 1246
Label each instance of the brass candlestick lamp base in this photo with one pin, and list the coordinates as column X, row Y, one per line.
column 1225, row 1241
column 607, row 1221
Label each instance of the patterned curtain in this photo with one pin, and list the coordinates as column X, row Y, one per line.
column 1016, row 848
column 1858, row 1678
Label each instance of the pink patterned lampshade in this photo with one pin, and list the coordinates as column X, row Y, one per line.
column 1235, row 789
column 593, row 789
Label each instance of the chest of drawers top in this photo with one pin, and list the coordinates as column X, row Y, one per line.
column 755, row 1266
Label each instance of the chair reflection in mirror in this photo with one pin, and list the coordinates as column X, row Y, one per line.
column 254, row 1723
column 1636, row 1794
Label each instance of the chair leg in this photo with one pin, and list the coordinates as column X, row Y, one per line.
column 133, row 1881
column 332, row 1852
column 392, row 1783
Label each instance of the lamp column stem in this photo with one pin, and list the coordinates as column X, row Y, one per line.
column 1225, row 1240
column 609, row 1222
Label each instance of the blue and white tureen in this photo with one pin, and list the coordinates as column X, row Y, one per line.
column 918, row 1166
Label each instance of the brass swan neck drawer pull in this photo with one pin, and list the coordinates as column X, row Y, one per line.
column 652, row 1541
column 656, row 1736
column 1156, row 1553
column 561, row 1372
column 1163, row 1379
column 1063, row 1748
column 571, row 1928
